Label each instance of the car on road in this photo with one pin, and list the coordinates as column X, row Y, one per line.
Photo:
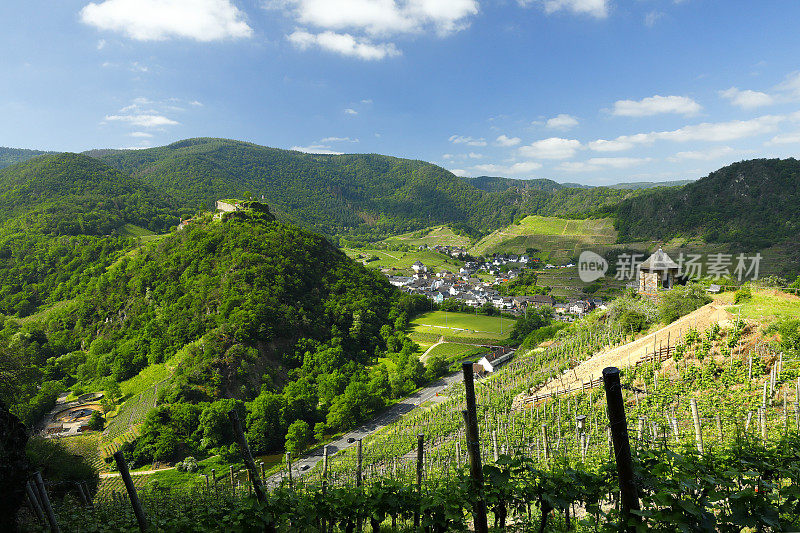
column 350, row 440
column 304, row 467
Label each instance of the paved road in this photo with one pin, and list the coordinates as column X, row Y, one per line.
column 396, row 411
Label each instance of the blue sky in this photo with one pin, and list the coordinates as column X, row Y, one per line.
column 589, row 91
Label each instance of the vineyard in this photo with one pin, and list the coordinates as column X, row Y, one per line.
column 124, row 426
column 712, row 417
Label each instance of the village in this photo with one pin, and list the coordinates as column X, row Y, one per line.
column 467, row 288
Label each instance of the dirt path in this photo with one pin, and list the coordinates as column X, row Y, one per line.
column 629, row 354
column 390, row 255
column 424, row 356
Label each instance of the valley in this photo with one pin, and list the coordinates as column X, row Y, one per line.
column 317, row 324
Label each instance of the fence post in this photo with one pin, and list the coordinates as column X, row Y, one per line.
column 359, row 458
column 474, row 449
column 420, row 466
column 34, row 503
column 122, row 466
column 797, row 415
column 289, row 467
column 324, row 469
column 622, row 447
column 545, row 442
column 698, row 433
column 719, row 428
column 85, row 500
column 494, row 445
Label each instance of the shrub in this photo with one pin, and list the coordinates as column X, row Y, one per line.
column 680, row 301
column 742, row 295
column 632, row 313
column 96, row 422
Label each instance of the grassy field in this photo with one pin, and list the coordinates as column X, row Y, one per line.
column 442, row 235
column 131, row 230
column 556, row 239
column 766, row 305
column 462, row 325
column 402, row 261
column 455, row 352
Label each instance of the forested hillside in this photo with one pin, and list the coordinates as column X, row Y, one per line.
column 11, row 156
column 751, row 204
column 334, row 194
column 72, row 194
column 61, row 218
column 256, row 311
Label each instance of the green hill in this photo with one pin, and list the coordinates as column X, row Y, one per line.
column 550, row 238
column 249, row 310
column 334, row 194
column 72, row 194
column 751, row 204
column 12, row 156
column 63, row 221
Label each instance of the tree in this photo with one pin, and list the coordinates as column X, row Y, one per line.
column 319, row 431
column 96, row 422
column 297, row 437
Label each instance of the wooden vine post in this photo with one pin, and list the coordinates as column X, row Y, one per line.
column 698, row 431
column 122, row 466
column 33, row 501
column 622, row 448
column 420, row 467
column 45, row 501
column 324, row 469
column 246, row 455
column 474, row 450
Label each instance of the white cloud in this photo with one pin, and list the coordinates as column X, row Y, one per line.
column 703, row 155
column 598, row 163
column 143, row 120
column 142, row 134
column 747, row 99
column 469, row 141
column 338, row 140
column 562, row 122
column 367, row 101
column 786, row 91
column 790, row 87
column 655, row 105
column 594, row 8
column 705, row 132
column 474, row 155
column 651, row 18
column 459, row 171
column 447, row 156
column 382, row 17
column 196, row 103
column 552, row 148
column 101, row 44
column 350, row 111
column 343, row 44
column 155, row 20
column 515, row 169
column 504, row 140
column 316, row 149
column 602, row 145
column 785, row 138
